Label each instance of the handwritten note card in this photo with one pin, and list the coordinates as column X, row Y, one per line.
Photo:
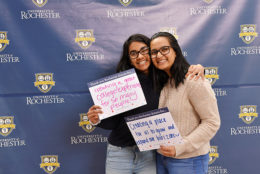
column 117, row 93
column 154, row 128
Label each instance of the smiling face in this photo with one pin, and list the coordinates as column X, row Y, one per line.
column 142, row 61
column 164, row 59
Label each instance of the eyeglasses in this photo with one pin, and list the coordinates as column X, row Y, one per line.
column 163, row 50
column 134, row 54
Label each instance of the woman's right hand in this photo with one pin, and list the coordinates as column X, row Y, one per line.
column 93, row 114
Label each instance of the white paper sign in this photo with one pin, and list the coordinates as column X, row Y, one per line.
column 154, row 128
column 117, row 93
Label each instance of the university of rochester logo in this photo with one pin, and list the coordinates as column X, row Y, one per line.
column 49, row 163
column 84, row 38
column 6, row 125
column 3, row 40
column 85, row 124
column 208, row 1
column 208, row 9
column 213, row 154
column 125, row 2
column 248, row 33
column 248, row 113
column 44, row 82
column 171, row 30
column 39, row 3
column 211, row 73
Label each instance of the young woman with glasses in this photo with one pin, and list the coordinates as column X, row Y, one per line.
column 123, row 156
column 193, row 106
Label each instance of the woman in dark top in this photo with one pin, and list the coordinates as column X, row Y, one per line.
column 123, row 156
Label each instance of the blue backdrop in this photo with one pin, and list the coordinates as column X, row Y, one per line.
column 50, row 50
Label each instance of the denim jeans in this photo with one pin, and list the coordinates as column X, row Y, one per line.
column 129, row 160
column 194, row 165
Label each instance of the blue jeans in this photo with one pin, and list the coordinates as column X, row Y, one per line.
column 194, row 165
column 129, row 160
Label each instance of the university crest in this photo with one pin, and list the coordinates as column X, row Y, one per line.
column 248, row 113
column 3, row 40
column 213, row 154
column 211, row 73
column 40, row 3
column 208, row 1
column 85, row 124
column 44, row 82
column 6, row 125
column 171, row 30
column 248, row 33
column 125, row 2
column 84, row 38
column 49, row 163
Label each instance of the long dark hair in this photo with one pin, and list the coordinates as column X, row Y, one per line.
column 125, row 63
column 179, row 67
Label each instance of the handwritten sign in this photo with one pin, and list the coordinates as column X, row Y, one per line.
column 154, row 128
column 117, row 93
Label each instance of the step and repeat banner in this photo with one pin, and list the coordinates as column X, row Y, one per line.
column 51, row 49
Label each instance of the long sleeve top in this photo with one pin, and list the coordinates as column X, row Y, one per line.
column 120, row 134
column 194, row 109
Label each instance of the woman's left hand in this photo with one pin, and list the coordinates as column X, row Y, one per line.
column 168, row 151
column 196, row 70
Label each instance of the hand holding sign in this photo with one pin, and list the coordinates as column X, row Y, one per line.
column 117, row 93
column 93, row 114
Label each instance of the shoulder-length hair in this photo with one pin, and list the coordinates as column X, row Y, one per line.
column 179, row 67
column 124, row 62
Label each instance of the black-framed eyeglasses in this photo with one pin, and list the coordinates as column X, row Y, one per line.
column 163, row 50
column 134, row 54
